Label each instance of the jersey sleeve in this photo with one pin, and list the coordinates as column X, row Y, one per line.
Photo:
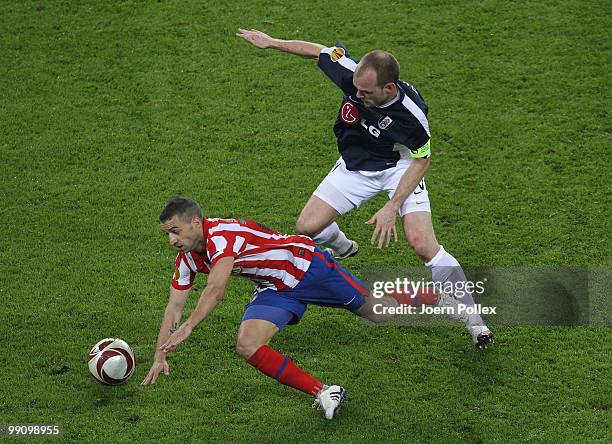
column 220, row 246
column 339, row 66
column 411, row 134
column 183, row 276
column 412, row 127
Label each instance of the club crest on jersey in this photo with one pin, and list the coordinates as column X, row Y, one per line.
column 337, row 54
column 349, row 113
column 385, row 122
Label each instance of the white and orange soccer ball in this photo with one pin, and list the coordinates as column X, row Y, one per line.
column 112, row 361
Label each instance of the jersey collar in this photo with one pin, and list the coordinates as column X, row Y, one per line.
column 393, row 100
column 205, row 228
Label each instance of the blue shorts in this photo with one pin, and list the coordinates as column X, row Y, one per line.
column 325, row 283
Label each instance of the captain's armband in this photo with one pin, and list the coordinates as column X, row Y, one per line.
column 424, row 151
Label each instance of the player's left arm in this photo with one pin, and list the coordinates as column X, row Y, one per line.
column 209, row 299
column 385, row 217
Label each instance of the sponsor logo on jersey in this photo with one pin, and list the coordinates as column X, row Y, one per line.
column 337, row 54
column 349, row 113
column 370, row 128
column 385, row 122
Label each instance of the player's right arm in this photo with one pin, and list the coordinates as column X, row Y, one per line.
column 335, row 61
column 170, row 323
column 297, row 47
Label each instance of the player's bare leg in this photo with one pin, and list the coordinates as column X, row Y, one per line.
column 317, row 220
column 420, row 234
column 253, row 338
column 444, row 268
column 252, row 334
column 375, row 309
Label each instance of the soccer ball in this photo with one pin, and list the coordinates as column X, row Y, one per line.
column 111, row 361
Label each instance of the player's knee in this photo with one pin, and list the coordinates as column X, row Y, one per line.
column 246, row 348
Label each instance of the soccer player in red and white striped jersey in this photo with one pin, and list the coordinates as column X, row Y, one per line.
column 290, row 273
column 273, row 260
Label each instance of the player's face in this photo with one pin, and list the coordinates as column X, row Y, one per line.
column 185, row 236
column 368, row 90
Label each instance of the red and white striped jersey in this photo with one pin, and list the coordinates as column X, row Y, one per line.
column 270, row 259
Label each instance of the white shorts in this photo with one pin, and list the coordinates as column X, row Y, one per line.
column 346, row 190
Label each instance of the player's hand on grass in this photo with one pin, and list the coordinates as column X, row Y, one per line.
column 157, row 367
column 176, row 338
column 255, row 38
column 385, row 226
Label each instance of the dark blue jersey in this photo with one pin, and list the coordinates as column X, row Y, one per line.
column 370, row 139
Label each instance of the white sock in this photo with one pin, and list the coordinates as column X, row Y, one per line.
column 333, row 238
column 442, row 259
column 445, row 268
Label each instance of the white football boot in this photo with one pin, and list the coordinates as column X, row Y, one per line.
column 329, row 400
column 481, row 335
column 350, row 252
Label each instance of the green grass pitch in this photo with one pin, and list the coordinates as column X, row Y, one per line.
column 110, row 107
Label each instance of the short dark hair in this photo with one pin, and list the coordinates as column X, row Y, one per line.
column 183, row 207
column 383, row 63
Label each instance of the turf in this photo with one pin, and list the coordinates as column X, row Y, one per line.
column 109, row 108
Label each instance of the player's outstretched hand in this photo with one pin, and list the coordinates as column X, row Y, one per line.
column 156, row 369
column 385, row 226
column 176, row 338
column 255, row 38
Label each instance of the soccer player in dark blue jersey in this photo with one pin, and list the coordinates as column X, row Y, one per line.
column 383, row 137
